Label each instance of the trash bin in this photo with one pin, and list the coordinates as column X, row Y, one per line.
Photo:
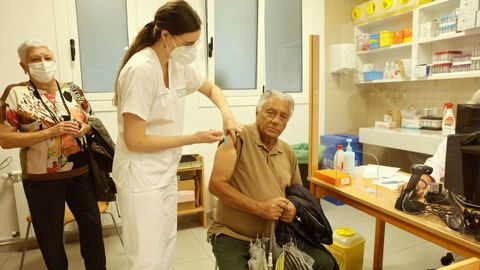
column 301, row 151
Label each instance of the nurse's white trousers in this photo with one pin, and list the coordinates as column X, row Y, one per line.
column 149, row 226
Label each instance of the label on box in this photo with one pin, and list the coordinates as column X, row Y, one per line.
column 345, row 181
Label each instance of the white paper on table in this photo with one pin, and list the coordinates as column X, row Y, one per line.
column 383, row 171
column 394, row 181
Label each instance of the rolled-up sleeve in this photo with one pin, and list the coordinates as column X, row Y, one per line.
column 194, row 80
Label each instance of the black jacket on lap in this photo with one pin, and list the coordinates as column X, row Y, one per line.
column 310, row 225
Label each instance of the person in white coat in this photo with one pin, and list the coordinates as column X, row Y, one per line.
column 154, row 78
column 437, row 161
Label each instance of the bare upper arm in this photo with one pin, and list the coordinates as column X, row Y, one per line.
column 224, row 163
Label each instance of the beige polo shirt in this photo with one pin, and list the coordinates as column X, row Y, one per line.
column 259, row 174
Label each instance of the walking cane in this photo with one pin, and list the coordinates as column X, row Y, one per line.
column 272, row 245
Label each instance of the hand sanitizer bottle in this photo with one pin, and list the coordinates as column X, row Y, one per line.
column 349, row 159
column 448, row 122
column 338, row 159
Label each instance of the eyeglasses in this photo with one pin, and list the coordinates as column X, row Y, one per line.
column 189, row 44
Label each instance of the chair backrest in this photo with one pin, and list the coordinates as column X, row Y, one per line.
column 102, row 207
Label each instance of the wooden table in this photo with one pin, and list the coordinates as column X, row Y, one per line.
column 379, row 202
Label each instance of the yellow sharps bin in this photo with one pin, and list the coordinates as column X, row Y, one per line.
column 347, row 248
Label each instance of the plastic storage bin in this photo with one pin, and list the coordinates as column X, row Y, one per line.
column 373, row 75
column 366, row 12
column 374, row 41
column 389, row 7
column 347, row 248
column 407, row 35
column 386, row 38
column 301, row 151
column 332, row 140
column 398, row 37
column 405, row 5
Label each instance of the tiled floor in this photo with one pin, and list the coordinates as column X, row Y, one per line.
column 402, row 250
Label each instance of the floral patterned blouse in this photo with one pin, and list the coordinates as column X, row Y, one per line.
column 24, row 111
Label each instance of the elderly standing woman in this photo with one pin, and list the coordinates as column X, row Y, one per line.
column 43, row 118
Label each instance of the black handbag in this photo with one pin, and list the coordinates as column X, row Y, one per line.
column 101, row 149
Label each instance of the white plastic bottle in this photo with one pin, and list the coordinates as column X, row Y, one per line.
column 338, row 159
column 448, row 121
column 349, row 159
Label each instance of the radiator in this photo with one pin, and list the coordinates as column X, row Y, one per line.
column 22, row 209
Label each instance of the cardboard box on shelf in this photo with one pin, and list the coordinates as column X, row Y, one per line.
column 186, row 196
column 422, row 70
column 467, row 21
column 189, row 161
column 186, row 184
column 426, row 30
column 468, row 6
column 186, row 206
column 411, row 123
column 383, row 124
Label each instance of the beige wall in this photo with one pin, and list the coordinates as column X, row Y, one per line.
column 350, row 106
column 346, row 105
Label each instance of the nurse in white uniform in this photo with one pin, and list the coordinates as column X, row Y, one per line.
column 154, row 79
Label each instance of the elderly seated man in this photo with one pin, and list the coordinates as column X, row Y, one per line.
column 249, row 178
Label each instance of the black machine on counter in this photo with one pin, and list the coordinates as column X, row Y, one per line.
column 408, row 199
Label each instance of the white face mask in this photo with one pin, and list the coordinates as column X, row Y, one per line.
column 42, row 71
column 183, row 55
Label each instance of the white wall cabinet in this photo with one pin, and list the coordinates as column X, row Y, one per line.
column 421, row 49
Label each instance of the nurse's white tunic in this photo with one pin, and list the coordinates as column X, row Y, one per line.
column 146, row 182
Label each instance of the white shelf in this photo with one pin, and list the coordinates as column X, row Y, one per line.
column 455, row 75
column 464, row 34
column 386, row 49
column 383, row 81
column 413, row 140
column 438, row 76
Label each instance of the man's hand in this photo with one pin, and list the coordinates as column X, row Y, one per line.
column 290, row 213
column 272, row 209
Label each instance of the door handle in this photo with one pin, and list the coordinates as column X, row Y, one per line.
column 210, row 48
column 72, row 49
